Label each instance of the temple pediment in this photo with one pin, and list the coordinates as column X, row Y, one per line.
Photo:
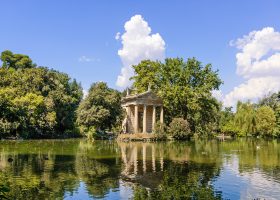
column 147, row 98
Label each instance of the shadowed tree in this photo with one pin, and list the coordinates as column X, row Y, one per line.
column 100, row 109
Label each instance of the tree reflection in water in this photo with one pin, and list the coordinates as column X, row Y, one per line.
column 56, row 169
column 159, row 172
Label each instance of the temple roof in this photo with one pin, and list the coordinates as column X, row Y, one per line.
column 147, row 98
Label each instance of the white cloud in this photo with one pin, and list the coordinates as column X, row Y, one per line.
column 217, row 94
column 253, row 89
column 258, row 62
column 118, row 35
column 87, row 59
column 85, row 93
column 138, row 44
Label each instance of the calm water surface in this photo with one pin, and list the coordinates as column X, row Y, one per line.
column 201, row 169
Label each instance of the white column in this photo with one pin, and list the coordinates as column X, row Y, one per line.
column 145, row 119
column 128, row 118
column 161, row 163
column 161, row 115
column 154, row 118
column 153, row 158
column 135, row 160
column 144, row 158
column 136, row 119
column 124, row 158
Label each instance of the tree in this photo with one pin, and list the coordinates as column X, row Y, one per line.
column 226, row 121
column 185, row 88
column 277, row 118
column 180, row 129
column 100, row 109
column 36, row 102
column 273, row 101
column 33, row 115
column 16, row 61
column 245, row 119
column 266, row 121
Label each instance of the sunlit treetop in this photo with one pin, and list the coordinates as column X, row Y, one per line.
column 16, row 61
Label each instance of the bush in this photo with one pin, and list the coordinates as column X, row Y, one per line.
column 179, row 129
column 4, row 189
column 160, row 131
column 89, row 132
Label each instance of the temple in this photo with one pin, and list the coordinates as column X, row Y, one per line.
column 141, row 112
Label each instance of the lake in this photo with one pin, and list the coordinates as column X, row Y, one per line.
column 199, row 169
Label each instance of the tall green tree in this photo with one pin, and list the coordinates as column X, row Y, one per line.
column 185, row 87
column 35, row 102
column 100, row 109
column 273, row 101
column 277, row 117
column 226, row 123
column 266, row 121
column 245, row 119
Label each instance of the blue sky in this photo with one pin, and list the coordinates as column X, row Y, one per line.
column 58, row 34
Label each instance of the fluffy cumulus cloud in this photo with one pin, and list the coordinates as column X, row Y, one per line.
column 138, row 43
column 258, row 62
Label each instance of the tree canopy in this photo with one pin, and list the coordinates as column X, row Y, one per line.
column 100, row 109
column 16, row 61
column 35, row 102
column 249, row 120
column 38, row 102
column 185, row 87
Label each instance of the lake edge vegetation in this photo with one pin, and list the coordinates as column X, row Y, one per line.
column 37, row 102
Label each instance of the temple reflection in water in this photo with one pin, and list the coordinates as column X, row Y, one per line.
column 71, row 169
column 138, row 157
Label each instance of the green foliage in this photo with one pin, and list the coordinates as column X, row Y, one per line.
column 177, row 184
column 273, row 101
column 16, row 61
column 266, row 121
column 226, row 115
column 245, row 119
column 242, row 123
column 226, row 123
column 180, row 129
column 35, row 102
column 4, row 189
column 185, row 87
column 249, row 119
column 100, row 109
column 277, row 118
column 161, row 131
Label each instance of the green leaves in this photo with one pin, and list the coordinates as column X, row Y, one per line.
column 249, row 119
column 35, row 102
column 265, row 120
column 180, row 129
column 184, row 86
column 100, row 109
column 4, row 189
column 16, row 61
